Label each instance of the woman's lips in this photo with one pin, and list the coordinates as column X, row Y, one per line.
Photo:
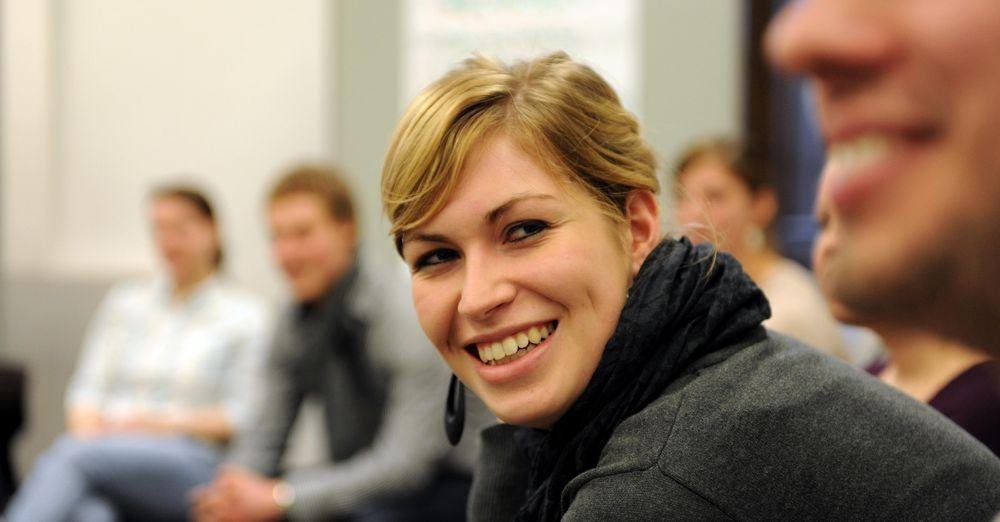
column 511, row 367
column 509, row 348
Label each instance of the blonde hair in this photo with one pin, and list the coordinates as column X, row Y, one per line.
column 559, row 112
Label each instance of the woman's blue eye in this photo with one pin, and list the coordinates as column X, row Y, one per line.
column 435, row 257
column 525, row 229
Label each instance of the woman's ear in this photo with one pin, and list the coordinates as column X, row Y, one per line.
column 765, row 207
column 642, row 216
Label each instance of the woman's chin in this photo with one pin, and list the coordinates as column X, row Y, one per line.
column 529, row 418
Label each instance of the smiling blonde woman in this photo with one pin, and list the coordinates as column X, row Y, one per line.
column 632, row 373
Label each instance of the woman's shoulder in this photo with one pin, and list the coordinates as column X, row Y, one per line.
column 799, row 309
column 629, row 483
column 790, row 286
column 786, row 273
column 775, row 429
column 719, row 378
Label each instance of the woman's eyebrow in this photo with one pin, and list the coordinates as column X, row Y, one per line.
column 494, row 215
column 405, row 238
column 491, row 218
column 429, row 238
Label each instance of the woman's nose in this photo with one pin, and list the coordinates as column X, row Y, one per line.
column 486, row 287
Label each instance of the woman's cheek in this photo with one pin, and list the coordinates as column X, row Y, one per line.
column 432, row 314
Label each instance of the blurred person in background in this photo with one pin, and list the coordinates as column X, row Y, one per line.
column 13, row 389
column 160, row 386
column 961, row 382
column 723, row 197
column 350, row 340
column 906, row 93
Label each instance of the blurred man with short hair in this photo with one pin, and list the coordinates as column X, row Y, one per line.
column 351, row 340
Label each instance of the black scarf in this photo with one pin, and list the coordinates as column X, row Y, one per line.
column 685, row 302
column 328, row 324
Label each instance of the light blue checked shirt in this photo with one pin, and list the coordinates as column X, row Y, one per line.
column 145, row 351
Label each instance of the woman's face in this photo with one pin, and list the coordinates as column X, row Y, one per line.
column 185, row 239
column 518, row 281
column 714, row 206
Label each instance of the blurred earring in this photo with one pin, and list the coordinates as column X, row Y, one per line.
column 454, row 411
column 755, row 239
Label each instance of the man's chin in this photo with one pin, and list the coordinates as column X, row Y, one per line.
column 306, row 291
column 880, row 291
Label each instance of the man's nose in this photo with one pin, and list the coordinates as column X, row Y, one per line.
column 829, row 39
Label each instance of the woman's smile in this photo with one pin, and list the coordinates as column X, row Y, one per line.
column 506, row 348
column 519, row 365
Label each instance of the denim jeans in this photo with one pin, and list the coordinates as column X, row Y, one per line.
column 134, row 477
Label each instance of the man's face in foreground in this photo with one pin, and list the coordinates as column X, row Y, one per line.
column 908, row 95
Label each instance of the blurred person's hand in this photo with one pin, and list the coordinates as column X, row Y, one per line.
column 138, row 422
column 86, row 422
column 207, row 504
column 90, row 426
column 90, row 431
column 237, row 495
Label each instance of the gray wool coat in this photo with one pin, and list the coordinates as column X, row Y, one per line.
column 770, row 431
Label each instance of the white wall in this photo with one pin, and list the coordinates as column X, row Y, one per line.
column 693, row 65
column 101, row 99
column 108, row 97
column 25, row 131
column 693, row 86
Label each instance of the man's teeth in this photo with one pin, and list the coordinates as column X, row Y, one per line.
column 858, row 153
column 514, row 346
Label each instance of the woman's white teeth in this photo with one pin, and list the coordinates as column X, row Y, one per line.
column 514, row 346
column 534, row 336
column 858, row 153
column 509, row 346
column 497, row 351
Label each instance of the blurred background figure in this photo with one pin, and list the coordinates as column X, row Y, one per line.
column 961, row 382
column 12, row 396
column 350, row 341
column 161, row 384
column 724, row 197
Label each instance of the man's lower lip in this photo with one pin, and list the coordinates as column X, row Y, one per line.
column 855, row 190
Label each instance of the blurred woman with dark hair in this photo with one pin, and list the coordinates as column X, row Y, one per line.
column 724, row 197
column 161, row 385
